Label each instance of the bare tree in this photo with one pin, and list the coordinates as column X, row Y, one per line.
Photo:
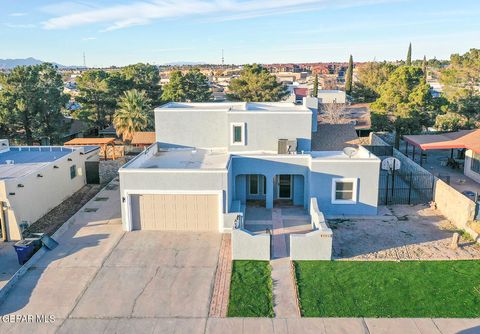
column 333, row 113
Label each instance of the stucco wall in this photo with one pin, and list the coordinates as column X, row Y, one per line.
column 201, row 129
column 264, row 129
column 145, row 180
column 212, row 129
column 367, row 173
column 247, row 246
column 41, row 194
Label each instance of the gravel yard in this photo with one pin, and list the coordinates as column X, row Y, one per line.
column 406, row 233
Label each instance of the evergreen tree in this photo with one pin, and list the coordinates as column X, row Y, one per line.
column 256, row 84
column 315, row 86
column 191, row 87
column 404, row 104
column 349, row 76
column 409, row 55
column 31, row 102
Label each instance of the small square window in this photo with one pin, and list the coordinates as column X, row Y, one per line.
column 73, row 171
column 344, row 191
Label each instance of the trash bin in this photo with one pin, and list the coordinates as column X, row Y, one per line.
column 26, row 248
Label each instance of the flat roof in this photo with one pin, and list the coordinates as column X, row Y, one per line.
column 234, row 106
column 334, row 137
column 28, row 159
column 187, row 159
column 469, row 139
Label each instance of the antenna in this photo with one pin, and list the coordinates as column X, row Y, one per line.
column 223, row 59
column 84, row 60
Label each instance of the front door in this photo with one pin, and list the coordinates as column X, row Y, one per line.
column 285, row 186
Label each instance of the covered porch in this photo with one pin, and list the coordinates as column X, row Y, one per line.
column 257, row 191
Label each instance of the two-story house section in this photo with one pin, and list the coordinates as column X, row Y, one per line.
column 211, row 160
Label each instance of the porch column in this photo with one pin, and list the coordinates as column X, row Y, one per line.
column 269, row 192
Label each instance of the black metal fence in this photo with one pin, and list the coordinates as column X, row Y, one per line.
column 380, row 150
column 405, row 188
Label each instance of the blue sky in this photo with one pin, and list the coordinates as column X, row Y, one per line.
column 162, row 31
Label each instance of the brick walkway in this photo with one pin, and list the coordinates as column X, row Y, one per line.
column 221, row 288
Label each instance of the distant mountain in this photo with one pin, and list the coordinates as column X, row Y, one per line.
column 185, row 63
column 7, row 64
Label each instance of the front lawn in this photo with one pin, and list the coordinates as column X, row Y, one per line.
column 251, row 290
column 389, row 289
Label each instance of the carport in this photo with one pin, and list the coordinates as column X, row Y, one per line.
column 464, row 139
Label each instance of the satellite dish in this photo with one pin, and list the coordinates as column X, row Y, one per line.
column 391, row 164
column 350, row 151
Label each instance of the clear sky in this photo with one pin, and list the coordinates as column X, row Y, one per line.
column 162, row 31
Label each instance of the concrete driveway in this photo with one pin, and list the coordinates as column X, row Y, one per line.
column 102, row 279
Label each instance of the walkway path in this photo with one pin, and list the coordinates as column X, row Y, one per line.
column 221, row 288
column 283, row 287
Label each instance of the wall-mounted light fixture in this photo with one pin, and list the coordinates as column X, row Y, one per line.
column 123, row 199
column 69, row 159
column 11, row 194
column 55, row 166
column 39, row 175
column 20, row 185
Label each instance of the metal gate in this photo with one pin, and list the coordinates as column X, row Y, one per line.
column 405, row 188
column 92, row 172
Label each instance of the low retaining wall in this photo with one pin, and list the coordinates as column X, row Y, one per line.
column 248, row 246
column 315, row 245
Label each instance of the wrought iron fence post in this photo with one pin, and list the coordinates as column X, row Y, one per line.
column 386, row 189
column 410, row 189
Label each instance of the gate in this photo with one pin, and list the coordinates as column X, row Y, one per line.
column 92, row 172
column 405, row 188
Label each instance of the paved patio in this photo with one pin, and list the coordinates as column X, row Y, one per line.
column 406, row 233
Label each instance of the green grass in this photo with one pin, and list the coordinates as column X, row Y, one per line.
column 389, row 289
column 251, row 290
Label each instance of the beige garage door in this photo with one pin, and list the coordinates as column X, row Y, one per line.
column 175, row 212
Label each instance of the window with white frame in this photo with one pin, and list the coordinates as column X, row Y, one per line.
column 256, row 184
column 344, row 191
column 237, row 134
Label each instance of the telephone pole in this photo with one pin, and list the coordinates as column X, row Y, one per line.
column 223, row 59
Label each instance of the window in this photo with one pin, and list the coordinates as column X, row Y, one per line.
column 256, row 184
column 73, row 171
column 237, row 133
column 344, row 191
column 475, row 166
column 253, row 184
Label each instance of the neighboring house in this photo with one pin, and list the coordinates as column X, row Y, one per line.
column 210, row 159
column 332, row 96
column 35, row 179
column 299, row 93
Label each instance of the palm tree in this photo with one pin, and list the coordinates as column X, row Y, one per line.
column 132, row 114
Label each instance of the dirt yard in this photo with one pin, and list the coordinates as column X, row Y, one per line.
column 403, row 233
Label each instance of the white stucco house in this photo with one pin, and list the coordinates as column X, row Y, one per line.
column 35, row 179
column 211, row 159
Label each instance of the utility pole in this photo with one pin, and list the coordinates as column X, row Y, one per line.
column 84, row 60
column 223, row 59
